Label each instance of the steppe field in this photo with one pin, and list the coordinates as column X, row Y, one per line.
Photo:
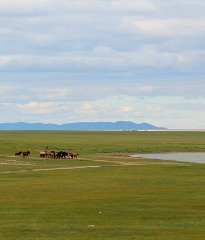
column 104, row 194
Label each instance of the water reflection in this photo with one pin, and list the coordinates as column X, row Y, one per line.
column 183, row 157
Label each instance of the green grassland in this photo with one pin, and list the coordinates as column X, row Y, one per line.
column 104, row 194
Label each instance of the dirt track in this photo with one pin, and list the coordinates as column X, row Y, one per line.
column 114, row 164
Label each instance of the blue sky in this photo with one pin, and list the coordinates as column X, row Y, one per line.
column 65, row 61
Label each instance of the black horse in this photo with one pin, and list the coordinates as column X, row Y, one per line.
column 61, row 154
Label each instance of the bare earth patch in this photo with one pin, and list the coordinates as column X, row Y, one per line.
column 15, row 163
column 113, row 163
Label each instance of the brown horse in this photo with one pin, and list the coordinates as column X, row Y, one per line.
column 18, row 153
column 51, row 154
column 26, row 154
column 43, row 154
column 73, row 155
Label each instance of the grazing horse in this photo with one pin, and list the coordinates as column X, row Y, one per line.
column 51, row 154
column 43, row 154
column 73, row 155
column 18, row 153
column 26, row 154
column 64, row 154
column 61, row 154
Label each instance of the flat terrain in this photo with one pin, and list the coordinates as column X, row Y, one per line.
column 104, row 194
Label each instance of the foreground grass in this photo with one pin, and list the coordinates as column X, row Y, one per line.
column 112, row 201
column 141, row 202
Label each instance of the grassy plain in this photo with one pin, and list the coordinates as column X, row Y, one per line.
column 104, row 194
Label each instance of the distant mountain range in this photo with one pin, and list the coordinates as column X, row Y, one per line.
column 120, row 125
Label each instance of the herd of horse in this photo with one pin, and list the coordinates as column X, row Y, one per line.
column 50, row 154
column 57, row 155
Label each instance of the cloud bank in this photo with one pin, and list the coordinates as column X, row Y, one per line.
column 85, row 60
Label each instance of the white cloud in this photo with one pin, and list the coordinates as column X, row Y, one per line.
column 23, row 6
column 173, row 28
column 103, row 58
column 48, row 93
column 128, row 112
column 53, row 6
column 37, row 108
column 5, row 60
column 86, row 109
column 154, row 109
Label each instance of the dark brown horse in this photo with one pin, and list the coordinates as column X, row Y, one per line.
column 26, row 154
column 18, row 153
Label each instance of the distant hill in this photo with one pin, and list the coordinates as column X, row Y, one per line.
column 120, row 125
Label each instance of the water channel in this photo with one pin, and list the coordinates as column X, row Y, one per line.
column 198, row 157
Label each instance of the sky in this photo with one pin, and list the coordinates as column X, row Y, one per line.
column 64, row 61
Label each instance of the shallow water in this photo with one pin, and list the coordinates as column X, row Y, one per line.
column 183, row 157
